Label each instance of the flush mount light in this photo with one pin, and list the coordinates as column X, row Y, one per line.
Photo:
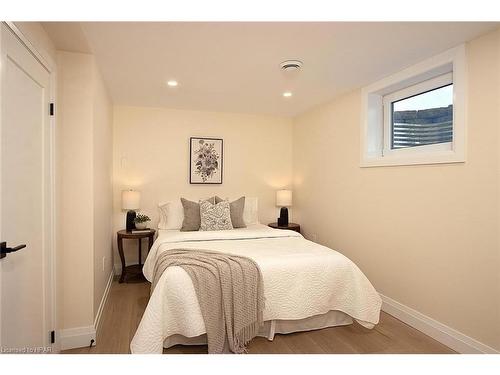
column 172, row 83
column 287, row 94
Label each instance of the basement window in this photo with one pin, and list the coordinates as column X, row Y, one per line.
column 416, row 116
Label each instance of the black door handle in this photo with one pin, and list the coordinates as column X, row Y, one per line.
column 4, row 250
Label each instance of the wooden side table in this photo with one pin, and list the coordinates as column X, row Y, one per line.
column 290, row 226
column 135, row 270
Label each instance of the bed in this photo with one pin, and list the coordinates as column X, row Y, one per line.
column 306, row 286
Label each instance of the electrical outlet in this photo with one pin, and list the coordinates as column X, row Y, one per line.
column 103, row 263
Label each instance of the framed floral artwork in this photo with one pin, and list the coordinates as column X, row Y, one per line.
column 206, row 162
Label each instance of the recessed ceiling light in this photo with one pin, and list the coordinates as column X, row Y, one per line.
column 172, row 83
column 287, row 94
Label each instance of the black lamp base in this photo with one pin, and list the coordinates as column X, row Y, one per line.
column 130, row 220
column 283, row 219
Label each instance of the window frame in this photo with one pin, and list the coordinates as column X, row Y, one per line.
column 408, row 92
column 373, row 132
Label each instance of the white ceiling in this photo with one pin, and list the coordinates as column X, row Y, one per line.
column 234, row 67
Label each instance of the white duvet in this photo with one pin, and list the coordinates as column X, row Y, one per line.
column 301, row 279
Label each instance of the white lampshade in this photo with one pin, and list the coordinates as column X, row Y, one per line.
column 131, row 200
column 283, row 198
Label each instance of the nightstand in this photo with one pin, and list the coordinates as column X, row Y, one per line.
column 290, row 226
column 134, row 271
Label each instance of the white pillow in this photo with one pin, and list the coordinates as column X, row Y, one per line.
column 171, row 215
column 251, row 212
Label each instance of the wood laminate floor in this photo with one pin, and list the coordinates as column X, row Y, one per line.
column 127, row 302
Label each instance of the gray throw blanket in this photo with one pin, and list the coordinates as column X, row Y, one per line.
column 230, row 293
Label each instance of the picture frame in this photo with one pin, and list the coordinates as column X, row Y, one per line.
column 206, row 160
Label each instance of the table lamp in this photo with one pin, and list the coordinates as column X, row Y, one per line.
column 283, row 200
column 131, row 201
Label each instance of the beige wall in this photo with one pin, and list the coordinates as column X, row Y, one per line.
column 74, row 148
column 151, row 154
column 84, row 143
column 103, row 188
column 426, row 236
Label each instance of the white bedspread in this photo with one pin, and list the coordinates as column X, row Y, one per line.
column 301, row 279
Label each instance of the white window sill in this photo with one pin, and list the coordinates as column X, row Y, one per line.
column 434, row 158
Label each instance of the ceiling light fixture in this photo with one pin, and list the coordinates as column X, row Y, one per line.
column 172, row 83
column 287, row 94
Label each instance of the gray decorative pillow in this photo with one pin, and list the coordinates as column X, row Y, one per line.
column 215, row 216
column 236, row 208
column 192, row 218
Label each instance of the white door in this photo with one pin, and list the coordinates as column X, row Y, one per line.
column 26, row 300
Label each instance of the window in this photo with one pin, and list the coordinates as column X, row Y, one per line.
column 416, row 116
column 420, row 115
column 423, row 119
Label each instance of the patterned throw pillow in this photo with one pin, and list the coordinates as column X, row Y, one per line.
column 215, row 216
column 237, row 207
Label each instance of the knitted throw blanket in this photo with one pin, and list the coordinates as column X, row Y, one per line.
column 230, row 293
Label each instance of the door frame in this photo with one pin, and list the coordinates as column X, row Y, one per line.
column 50, row 65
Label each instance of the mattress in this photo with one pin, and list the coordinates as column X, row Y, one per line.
column 302, row 280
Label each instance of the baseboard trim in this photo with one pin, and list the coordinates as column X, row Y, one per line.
column 77, row 337
column 97, row 320
column 438, row 331
column 80, row 337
